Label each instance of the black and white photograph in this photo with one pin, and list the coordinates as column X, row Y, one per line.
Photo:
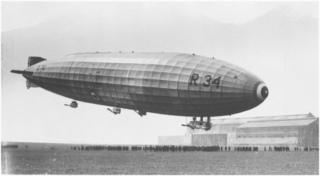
column 160, row 87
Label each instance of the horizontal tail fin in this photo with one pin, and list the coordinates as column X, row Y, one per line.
column 29, row 84
column 20, row 72
column 31, row 61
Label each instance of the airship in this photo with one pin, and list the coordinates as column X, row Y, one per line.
column 164, row 83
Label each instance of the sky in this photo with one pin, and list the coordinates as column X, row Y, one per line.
column 94, row 124
column 23, row 14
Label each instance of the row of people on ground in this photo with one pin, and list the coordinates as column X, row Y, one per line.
column 176, row 148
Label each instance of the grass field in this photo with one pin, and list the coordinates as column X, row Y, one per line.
column 34, row 161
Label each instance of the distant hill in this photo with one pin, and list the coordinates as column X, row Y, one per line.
column 156, row 29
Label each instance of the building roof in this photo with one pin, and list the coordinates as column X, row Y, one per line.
column 278, row 123
column 242, row 120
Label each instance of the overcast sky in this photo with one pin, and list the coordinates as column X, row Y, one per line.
column 94, row 124
column 17, row 15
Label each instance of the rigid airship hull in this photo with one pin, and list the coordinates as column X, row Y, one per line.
column 165, row 83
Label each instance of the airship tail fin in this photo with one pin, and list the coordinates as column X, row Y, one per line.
column 20, row 72
column 31, row 61
column 30, row 84
column 34, row 59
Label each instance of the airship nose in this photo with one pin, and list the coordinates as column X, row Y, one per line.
column 261, row 91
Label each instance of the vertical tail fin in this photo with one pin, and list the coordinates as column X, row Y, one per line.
column 30, row 84
column 31, row 61
column 34, row 59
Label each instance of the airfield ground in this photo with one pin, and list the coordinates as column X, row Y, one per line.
column 34, row 161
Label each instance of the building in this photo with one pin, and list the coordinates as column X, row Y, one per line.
column 290, row 130
column 195, row 139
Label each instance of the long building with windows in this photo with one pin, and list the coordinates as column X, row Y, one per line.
column 289, row 130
